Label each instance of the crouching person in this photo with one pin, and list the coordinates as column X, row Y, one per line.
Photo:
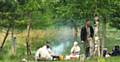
column 43, row 53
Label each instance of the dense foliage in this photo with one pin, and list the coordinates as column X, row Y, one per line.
column 49, row 13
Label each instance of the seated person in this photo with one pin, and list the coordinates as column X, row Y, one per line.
column 106, row 53
column 44, row 53
column 75, row 52
column 116, row 51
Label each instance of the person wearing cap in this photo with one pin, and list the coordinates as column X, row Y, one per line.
column 87, row 34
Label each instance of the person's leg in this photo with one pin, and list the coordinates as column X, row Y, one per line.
column 87, row 52
column 91, row 43
column 96, row 51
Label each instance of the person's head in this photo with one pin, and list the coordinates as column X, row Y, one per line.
column 75, row 43
column 105, row 51
column 87, row 22
column 47, row 44
column 96, row 18
column 117, row 47
column 14, row 37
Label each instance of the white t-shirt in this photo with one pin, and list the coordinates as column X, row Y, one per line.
column 43, row 53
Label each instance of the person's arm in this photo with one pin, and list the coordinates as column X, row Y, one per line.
column 78, row 49
column 81, row 35
column 92, row 32
column 50, row 51
column 72, row 49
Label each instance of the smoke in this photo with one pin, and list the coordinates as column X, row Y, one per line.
column 58, row 49
column 64, row 38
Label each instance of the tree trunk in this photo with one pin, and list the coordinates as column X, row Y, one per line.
column 75, row 30
column 27, row 39
column 28, row 36
column 75, row 33
column 6, row 35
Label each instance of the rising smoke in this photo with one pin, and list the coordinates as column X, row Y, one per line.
column 64, row 38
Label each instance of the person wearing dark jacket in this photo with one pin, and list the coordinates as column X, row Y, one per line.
column 116, row 51
column 87, row 34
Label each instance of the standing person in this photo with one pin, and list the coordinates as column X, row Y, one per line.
column 87, row 34
column 96, row 36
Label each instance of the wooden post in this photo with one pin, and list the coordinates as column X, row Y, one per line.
column 14, row 46
column 13, row 40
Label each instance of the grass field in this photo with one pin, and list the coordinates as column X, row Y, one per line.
column 113, row 37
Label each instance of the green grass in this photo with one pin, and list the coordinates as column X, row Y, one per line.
column 6, row 56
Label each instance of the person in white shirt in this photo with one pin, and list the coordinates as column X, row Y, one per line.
column 75, row 52
column 75, row 49
column 43, row 53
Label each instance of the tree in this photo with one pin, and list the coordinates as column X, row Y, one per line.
column 6, row 8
